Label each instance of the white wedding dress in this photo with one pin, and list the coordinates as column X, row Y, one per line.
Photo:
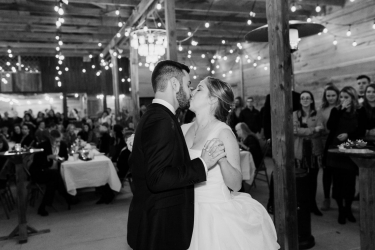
column 225, row 220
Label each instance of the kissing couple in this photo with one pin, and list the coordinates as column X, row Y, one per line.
column 186, row 178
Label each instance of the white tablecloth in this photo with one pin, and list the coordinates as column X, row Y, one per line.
column 94, row 173
column 247, row 166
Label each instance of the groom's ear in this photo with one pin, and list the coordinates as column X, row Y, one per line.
column 175, row 84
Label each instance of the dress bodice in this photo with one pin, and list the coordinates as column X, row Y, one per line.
column 214, row 189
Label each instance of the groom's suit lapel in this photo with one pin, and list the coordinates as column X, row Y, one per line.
column 176, row 125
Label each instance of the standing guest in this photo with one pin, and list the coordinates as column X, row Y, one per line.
column 30, row 111
column 41, row 133
column 28, row 120
column 16, row 118
column 329, row 101
column 17, row 134
column 59, row 118
column 250, row 116
column 39, row 117
column 347, row 121
column 105, row 139
column 7, row 121
column 249, row 142
column 118, row 142
column 45, row 170
column 106, row 118
column 51, row 118
column 61, row 128
column 5, row 132
column 308, row 148
column 27, row 139
column 122, row 160
column 362, row 82
column 70, row 136
column 369, row 105
column 234, row 115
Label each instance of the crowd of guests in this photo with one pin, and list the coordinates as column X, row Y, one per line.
column 56, row 136
column 344, row 114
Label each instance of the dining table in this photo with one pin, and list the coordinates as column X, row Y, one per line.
column 366, row 163
column 20, row 160
column 96, row 172
column 247, row 166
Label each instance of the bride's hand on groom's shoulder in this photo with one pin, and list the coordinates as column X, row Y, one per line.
column 212, row 152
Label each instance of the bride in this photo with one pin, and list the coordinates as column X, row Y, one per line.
column 223, row 219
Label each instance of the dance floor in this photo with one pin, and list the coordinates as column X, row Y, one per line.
column 96, row 227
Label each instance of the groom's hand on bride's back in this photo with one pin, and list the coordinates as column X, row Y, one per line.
column 213, row 151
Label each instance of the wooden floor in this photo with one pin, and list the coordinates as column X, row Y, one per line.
column 89, row 226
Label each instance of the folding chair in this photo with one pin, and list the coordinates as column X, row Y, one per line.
column 262, row 169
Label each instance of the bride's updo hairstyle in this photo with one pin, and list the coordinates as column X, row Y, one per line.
column 223, row 92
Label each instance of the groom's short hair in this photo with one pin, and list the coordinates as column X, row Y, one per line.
column 164, row 71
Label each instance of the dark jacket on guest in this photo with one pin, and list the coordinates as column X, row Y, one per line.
column 41, row 163
column 88, row 136
column 105, row 143
column 116, row 146
column 251, row 118
column 122, row 162
column 254, row 147
column 27, row 141
column 17, row 137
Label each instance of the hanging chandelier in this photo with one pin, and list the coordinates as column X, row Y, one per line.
column 150, row 43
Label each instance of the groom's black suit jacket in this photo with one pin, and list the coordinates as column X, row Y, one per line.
column 161, row 214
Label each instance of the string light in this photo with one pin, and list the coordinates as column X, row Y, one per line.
column 126, row 33
column 231, row 51
column 100, row 44
column 225, row 58
column 83, row 70
column 189, row 56
column 60, row 43
column 180, row 48
column 120, row 24
column 118, row 35
column 293, row 8
column 223, row 41
column 252, row 14
column 66, row 69
column 318, row 8
column 213, row 72
column 308, row 20
column 212, row 61
column 57, row 37
column 230, row 71
column 158, row 6
column 93, row 66
column 259, row 58
column 195, row 77
column 189, row 33
column 349, row 33
column 208, row 68
column 255, row 64
column 159, row 25
column 207, row 25
column 140, row 64
column 335, row 42
column 117, row 12
column 189, row 52
column 249, row 22
column 9, row 51
column 203, row 56
column 325, row 30
column 354, row 43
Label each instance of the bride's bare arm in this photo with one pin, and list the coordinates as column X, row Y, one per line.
column 230, row 166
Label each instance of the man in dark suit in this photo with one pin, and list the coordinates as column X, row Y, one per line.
column 45, row 169
column 161, row 214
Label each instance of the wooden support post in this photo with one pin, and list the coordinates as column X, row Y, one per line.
column 115, row 81
column 65, row 105
column 241, row 89
column 282, row 125
column 134, row 85
column 170, row 24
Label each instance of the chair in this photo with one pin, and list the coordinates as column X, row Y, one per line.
column 262, row 169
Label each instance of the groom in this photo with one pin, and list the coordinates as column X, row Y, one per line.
column 161, row 214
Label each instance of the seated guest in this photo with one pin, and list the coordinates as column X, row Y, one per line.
column 118, row 142
column 28, row 120
column 17, row 134
column 51, row 118
column 249, row 142
column 87, row 134
column 41, row 133
column 369, row 105
column 39, row 117
column 27, row 139
column 45, row 169
column 61, row 129
column 347, row 121
column 70, row 136
column 105, row 139
column 5, row 132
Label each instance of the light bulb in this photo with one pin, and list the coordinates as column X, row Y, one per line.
column 230, row 71
column 158, row 6
column 189, row 56
column 58, row 84
column 217, row 66
column 348, row 33
column 259, row 58
column 93, row 66
column 225, row 58
column 117, row 12
column 249, row 22
column 60, row 43
column 319, row 33
column 57, row 48
column 56, row 8
column 265, row 68
column 58, row 24
column 325, row 30
column 212, row 61
column 145, row 29
column 140, row 64
column 189, row 33
column 101, row 55
column 9, row 51
column 10, row 55
column 57, row 67
column 335, row 42
column 207, row 25
column 189, row 52
column 57, row 37
column 373, row 26
column 223, row 41
column 61, row 11
column 126, row 33
column 120, row 24
column 224, row 75
column 180, row 48
column 231, row 51
column 354, row 43
column 159, row 25
column 118, row 35
column 255, row 64
column 208, row 68
column 195, row 77
column 66, row 69
column 203, row 56
column 100, row 44
column 213, row 72
column 318, row 8
column 248, row 61
column 83, row 71
column 293, row 8
column 90, row 56
column 308, row 20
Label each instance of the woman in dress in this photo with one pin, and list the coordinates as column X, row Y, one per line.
column 346, row 121
column 224, row 219
column 329, row 101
